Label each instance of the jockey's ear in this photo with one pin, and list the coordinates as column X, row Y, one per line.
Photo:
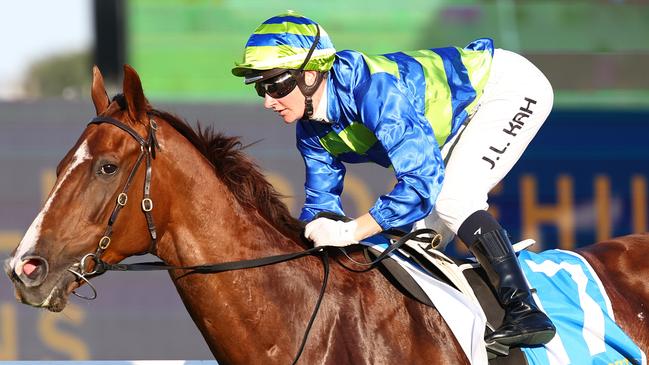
column 98, row 92
column 310, row 77
column 135, row 100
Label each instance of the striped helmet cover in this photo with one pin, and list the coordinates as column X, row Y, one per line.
column 283, row 41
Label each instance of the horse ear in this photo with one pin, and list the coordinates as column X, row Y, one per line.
column 98, row 92
column 135, row 100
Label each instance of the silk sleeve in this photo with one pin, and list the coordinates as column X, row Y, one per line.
column 410, row 144
column 324, row 175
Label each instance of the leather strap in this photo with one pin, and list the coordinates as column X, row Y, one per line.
column 309, row 90
column 148, row 149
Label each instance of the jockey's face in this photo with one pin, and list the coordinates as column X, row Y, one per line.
column 290, row 107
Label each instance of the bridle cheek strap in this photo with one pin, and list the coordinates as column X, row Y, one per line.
column 148, row 149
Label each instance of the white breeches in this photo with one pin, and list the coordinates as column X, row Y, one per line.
column 516, row 101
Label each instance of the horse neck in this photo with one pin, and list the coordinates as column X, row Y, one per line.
column 206, row 224
column 206, row 221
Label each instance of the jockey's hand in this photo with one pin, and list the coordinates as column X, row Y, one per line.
column 327, row 232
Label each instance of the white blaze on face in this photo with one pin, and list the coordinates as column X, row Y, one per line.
column 34, row 232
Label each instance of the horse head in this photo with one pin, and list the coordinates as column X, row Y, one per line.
column 93, row 207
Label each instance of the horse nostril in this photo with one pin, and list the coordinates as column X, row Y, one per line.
column 32, row 267
column 32, row 270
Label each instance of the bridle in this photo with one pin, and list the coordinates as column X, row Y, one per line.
column 148, row 149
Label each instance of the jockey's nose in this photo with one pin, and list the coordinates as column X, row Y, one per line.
column 31, row 270
column 268, row 101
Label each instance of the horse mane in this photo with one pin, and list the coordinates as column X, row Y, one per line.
column 238, row 172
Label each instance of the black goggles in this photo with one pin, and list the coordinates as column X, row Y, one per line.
column 281, row 85
column 278, row 86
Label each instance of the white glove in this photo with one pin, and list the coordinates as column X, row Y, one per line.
column 327, row 232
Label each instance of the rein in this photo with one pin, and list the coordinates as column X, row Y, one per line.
column 147, row 154
column 102, row 266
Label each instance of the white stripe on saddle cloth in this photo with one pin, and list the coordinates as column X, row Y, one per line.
column 572, row 295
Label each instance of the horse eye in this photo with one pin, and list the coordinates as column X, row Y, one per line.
column 108, row 169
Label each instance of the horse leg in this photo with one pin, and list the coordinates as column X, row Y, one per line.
column 620, row 264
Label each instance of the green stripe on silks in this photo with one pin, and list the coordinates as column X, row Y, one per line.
column 358, row 137
column 438, row 108
column 354, row 138
column 380, row 63
column 478, row 65
column 333, row 144
column 267, row 57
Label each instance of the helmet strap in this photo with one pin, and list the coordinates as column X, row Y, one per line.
column 308, row 91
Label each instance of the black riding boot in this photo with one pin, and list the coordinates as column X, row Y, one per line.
column 524, row 324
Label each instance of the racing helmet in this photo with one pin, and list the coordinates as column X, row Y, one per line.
column 288, row 41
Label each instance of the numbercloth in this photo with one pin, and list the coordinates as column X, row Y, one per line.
column 569, row 291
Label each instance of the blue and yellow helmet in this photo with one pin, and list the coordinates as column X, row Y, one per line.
column 283, row 42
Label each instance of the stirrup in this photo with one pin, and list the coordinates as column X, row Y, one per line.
column 496, row 349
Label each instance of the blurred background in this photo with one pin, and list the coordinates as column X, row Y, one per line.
column 582, row 180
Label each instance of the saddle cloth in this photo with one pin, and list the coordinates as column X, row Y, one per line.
column 567, row 289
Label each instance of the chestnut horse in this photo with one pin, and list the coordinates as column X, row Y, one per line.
column 206, row 202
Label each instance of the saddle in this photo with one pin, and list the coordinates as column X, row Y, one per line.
column 467, row 276
column 463, row 274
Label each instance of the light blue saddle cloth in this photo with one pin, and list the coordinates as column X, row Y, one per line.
column 569, row 291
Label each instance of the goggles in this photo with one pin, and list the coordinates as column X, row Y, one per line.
column 278, row 86
column 281, row 85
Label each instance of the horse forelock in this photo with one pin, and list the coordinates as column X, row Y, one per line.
column 120, row 100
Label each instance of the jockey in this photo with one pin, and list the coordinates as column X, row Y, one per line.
column 450, row 121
